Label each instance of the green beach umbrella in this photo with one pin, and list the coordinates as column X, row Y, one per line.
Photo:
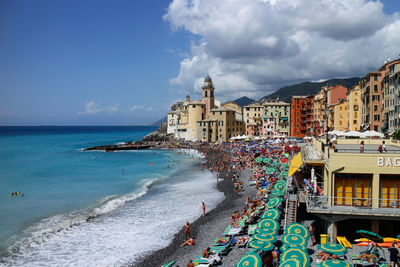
column 250, row 260
column 335, row 263
column 270, row 170
column 275, row 193
column 290, row 263
column 266, row 160
column 370, row 235
column 268, row 224
column 258, row 160
column 259, row 244
column 265, row 237
column 298, row 254
column 289, row 246
column 298, row 229
column 169, row 264
column 280, row 186
column 273, row 202
column 266, row 231
column 333, row 248
column 271, row 214
column 294, row 239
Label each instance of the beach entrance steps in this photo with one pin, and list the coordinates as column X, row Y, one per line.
column 291, row 209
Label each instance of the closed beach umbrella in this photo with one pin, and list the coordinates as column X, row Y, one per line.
column 265, row 237
column 290, row 246
column 298, row 254
column 294, row 239
column 335, row 263
column 273, row 202
column 250, row 260
column 370, row 235
column 298, row 229
column 268, row 224
column 271, row 214
column 169, row 264
column 290, row 263
column 333, row 248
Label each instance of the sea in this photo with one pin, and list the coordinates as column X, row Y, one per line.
column 93, row 208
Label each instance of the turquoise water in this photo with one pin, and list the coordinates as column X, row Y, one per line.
column 72, row 198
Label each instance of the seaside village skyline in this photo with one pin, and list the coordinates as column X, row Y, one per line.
column 372, row 105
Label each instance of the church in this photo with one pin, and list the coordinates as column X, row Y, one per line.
column 205, row 120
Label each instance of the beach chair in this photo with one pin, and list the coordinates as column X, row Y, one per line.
column 252, row 229
column 232, row 230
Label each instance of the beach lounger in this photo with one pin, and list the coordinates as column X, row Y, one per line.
column 252, row 229
column 232, row 230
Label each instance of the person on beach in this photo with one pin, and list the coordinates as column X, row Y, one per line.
column 394, row 255
column 189, row 242
column 190, row 264
column 362, row 147
column 203, row 206
column 187, row 230
column 312, row 234
column 275, row 257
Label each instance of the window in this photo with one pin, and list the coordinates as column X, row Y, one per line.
column 355, row 107
column 355, row 121
column 200, row 124
column 220, row 113
column 298, row 113
column 194, row 106
column 297, row 119
column 376, row 117
column 206, row 93
column 375, row 77
column 375, row 107
column 247, row 109
column 375, row 88
column 204, row 129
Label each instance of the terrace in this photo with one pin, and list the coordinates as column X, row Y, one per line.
column 353, row 206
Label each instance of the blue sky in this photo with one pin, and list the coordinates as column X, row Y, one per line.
column 96, row 62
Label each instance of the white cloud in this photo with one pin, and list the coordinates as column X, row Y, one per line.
column 93, row 107
column 253, row 47
column 136, row 107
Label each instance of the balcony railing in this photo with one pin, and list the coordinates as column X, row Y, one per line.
column 353, row 206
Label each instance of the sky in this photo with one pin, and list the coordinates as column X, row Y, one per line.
column 122, row 62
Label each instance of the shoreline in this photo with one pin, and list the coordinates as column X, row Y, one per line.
column 204, row 229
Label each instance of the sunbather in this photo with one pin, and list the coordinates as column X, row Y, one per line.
column 223, row 241
column 189, row 242
column 242, row 241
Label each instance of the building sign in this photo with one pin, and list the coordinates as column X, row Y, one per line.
column 388, row 162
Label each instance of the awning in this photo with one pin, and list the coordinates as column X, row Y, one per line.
column 295, row 164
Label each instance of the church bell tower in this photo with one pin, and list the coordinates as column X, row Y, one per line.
column 208, row 95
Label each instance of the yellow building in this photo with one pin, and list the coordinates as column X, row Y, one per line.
column 319, row 112
column 354, row 106
column 253, row 117
column 280, row 112
column 341, row 116
column 220, row 126
column 360, row 190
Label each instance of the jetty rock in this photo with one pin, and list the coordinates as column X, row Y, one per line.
column 159, row 135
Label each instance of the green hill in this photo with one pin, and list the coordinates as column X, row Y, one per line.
column 308, row 88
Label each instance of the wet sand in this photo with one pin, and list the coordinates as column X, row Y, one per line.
column 206, row 229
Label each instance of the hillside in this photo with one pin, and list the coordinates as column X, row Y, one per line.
column 244, row 101
column 157, row 123
column 308, row 88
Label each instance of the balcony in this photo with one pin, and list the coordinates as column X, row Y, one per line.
column 353, row 206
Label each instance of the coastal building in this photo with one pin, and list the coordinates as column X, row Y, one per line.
column 353, row 99
column 278, row 112
column 319, row 123
column 268, row 127
column 341, row 116
column 220, row 126
column 301, row 116
column 360, row 190
column 204, row 119
column 390, row 95
column 335, row 95
column 253, row 117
